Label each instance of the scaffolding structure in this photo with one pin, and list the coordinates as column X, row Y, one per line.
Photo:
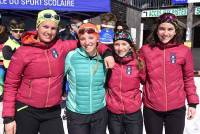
column 146, row 4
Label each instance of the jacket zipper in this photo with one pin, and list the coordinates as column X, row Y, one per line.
column 121, row 88
column 30, row 88
column 165, row 80
column 91, row 73
column 48, row 79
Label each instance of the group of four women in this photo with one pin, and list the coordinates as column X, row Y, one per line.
column 99, row 96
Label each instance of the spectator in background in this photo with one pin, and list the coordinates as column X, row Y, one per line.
column 16, row 29
column 169, row 79
column 70, row 32
column 3, row 38
column 120, row 26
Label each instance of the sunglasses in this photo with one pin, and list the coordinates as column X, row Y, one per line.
column 49, row 16
column 86, row 30
column 17, row 30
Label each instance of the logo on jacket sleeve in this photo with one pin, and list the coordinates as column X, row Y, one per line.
column 128, row 70
column 173, row 58
column 54, row 53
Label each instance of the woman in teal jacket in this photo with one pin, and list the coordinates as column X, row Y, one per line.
column 86, row 112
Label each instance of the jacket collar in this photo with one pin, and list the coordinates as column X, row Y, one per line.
column 82, row 52
column 30, row 39
column 167, row 45
column 124, row 60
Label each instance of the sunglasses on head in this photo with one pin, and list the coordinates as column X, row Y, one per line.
column 167, row 17
column 17, row 30
column 87, row 30
column 49, row 16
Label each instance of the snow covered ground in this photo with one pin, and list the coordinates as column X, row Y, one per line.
column 191, row 127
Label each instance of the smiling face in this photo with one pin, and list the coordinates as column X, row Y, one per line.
column 47, row 31
column 121, row 47
column 166, row 32
column 89, row 43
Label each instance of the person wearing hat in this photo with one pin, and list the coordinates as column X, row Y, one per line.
column 33, row 84
column 86, row 107
column 123, row 96
column 169, row 79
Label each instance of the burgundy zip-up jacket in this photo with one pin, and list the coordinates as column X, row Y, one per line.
column 169, row 77
column 35, row 74
column 123, row 92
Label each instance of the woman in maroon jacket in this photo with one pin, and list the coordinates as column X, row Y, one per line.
column 123, row 96
column 33, row 85
column 169, row 79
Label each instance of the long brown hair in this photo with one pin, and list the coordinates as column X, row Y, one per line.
column 140, row 62
column 152, row 39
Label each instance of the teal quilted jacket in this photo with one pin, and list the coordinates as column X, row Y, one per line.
column 86, row 77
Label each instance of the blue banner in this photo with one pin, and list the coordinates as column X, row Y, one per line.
column 179, row 1
column 60, row 5
column 106, row 35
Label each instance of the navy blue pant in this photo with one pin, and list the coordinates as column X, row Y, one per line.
column 173, row 121
column 87, row 123
column 125, row 123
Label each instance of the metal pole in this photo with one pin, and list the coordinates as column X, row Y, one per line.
column 141, row 35
column 190, row 13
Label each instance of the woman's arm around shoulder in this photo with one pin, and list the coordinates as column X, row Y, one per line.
column 106, row 53
column 69, row 45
